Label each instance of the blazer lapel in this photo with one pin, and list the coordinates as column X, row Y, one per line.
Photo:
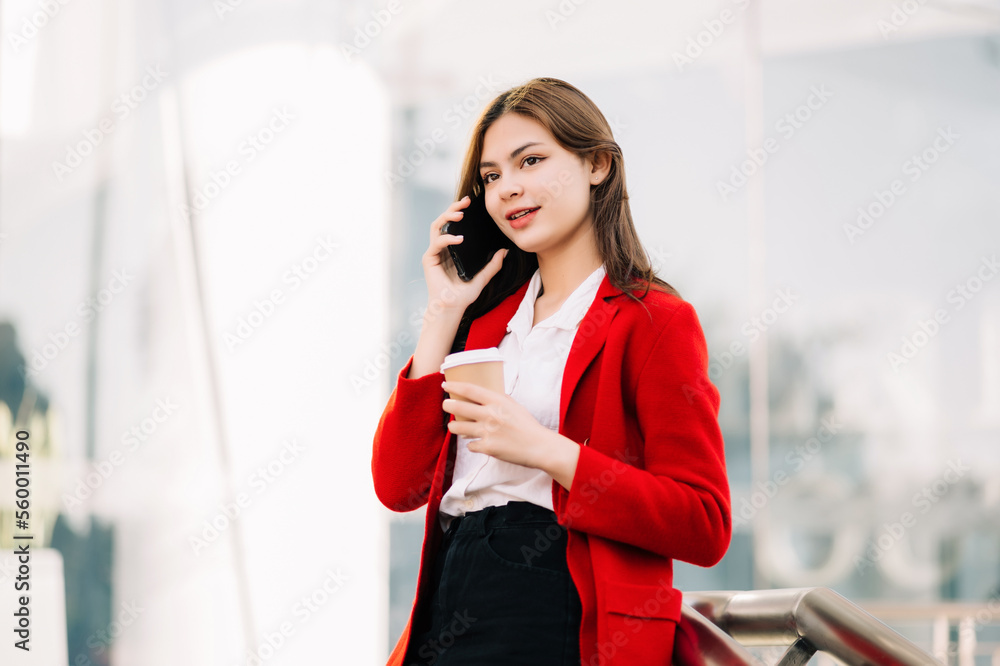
column 589, row 340
column 488, row 331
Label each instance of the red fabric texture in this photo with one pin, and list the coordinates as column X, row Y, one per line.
column 650, row 484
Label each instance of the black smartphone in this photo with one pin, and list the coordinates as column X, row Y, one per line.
column 481, row 238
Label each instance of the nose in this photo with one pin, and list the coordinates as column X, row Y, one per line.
column 509, row 188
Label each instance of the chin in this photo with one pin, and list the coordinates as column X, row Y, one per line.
column 530, row 248
column 537, row 240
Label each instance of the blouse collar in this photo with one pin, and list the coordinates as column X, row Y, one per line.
column 569, row 315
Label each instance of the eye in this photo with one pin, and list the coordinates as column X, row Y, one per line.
column 486, row 177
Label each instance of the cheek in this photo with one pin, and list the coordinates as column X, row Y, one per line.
column 570, row 199
column 551, row 190
column 563, row 190
column 550, row 195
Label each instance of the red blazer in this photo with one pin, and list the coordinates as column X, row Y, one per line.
column 650, row 483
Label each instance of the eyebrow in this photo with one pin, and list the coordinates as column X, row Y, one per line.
column 483, row 165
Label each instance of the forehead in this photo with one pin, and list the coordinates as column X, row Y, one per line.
column 511, row 131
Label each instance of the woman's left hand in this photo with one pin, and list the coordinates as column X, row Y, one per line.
column 505, row 429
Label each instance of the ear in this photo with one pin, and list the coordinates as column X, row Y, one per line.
column 600, row 167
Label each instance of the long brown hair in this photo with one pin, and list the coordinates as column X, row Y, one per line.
column 580, row 127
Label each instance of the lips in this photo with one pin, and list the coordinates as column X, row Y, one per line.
column 523, row 220
column 518, row 211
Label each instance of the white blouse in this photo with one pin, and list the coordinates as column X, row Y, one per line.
column 534, row 358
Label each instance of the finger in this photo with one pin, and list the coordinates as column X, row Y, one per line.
column 468, row 390
column 464, row 428
column 436, row 252
column 449, row 215
column 464, row 409
column 452, row 213
column 490, row 269
column 444, row 240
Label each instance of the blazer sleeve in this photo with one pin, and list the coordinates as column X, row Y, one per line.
column 408, row 440
column 678, row 505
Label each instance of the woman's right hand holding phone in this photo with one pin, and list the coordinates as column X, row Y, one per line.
column 447, row 294
column 445, row 289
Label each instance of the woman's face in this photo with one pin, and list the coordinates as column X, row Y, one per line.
column 524, row 167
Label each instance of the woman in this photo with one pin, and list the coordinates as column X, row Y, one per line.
column 555, row 513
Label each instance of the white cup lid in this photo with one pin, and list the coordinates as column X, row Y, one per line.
column 471, row 356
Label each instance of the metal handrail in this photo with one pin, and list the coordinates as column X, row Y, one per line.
column 698, row 642
column 806, row 619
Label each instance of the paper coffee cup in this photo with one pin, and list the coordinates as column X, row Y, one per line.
column 482, row 367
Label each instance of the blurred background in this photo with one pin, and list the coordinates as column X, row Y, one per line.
column 211, row 222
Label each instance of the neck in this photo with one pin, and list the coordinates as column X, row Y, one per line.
column 564, row 268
